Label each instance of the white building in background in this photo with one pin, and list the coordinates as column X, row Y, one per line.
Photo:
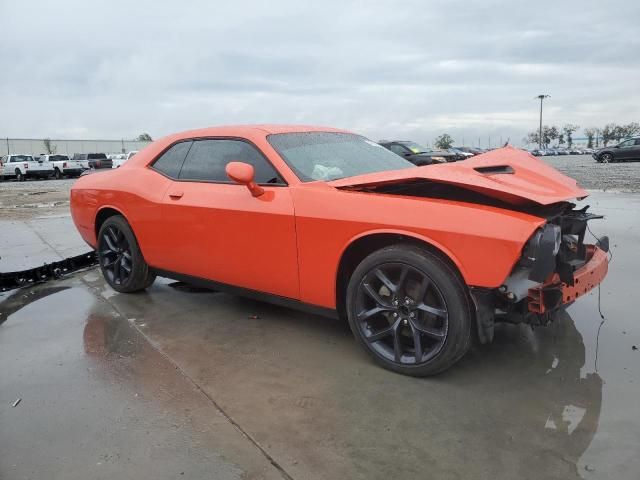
column 36, row 146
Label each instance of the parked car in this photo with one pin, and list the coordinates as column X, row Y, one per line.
column 416, row 153
column 62, row 166
column 625, row 151
column 117, row 163
column 471, row 150
column 536, row 152
column 93, row 160
column 575, row 151
column 588, row 151
column 418, row 260
column 460, row 155
column 22, row 167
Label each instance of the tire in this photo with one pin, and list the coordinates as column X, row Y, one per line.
column 118, row 250
column 58, row 174
column 19, row 175
column 417, row 297
column 606, row 158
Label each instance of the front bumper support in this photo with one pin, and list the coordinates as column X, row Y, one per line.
column 554, row 293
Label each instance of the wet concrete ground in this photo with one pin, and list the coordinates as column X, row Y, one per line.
column 175, row 380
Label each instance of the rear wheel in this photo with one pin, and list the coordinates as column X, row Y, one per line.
column 19, row 175
column 58, row 174
column 120, row 258
column 409, row 310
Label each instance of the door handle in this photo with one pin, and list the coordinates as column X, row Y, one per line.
column 176, row 195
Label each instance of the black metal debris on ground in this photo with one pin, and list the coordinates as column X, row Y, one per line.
column 48, row 271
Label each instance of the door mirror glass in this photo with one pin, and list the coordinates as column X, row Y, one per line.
column 244, row 174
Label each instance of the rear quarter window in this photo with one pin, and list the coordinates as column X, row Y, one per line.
column 170, row 162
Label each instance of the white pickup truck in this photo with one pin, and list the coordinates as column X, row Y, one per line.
column 62, row 166
column 24, row 166
column 122, row 159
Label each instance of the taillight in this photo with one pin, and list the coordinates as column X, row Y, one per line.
column 26, row 165
column 64, row 165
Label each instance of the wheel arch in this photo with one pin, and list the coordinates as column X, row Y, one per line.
column 366, row 243
column 103, row 214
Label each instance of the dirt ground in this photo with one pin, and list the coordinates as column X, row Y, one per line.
column 34, row 198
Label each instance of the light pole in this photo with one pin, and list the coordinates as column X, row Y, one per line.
column 541, row 97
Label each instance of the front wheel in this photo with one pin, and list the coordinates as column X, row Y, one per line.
column 19, row 175
column 409, row 310
column 120, row 258
column 606, row 158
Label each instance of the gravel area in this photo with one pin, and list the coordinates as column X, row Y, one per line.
column 24, row 200
column 29, row 199
column 624, row 177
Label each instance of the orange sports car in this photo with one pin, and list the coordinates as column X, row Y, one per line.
column 420, row 260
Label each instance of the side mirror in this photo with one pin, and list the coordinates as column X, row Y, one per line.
column 244, row 174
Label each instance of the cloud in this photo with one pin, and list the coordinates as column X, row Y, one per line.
column 411, row 69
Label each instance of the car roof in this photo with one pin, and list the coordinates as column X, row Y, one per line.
column 248, row 130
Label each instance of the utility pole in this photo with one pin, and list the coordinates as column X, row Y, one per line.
column 541, row 97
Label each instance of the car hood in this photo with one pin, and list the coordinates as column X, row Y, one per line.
column 506, row 174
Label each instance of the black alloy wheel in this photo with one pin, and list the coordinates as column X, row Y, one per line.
column 115, row 255
column 402, row 313
column 58, row 174
column 121, row 260
column 409, row 310
column 19, row 175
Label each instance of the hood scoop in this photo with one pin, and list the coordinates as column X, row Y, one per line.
column 494, row 169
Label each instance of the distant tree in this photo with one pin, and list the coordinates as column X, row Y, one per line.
column 568, row 130
column 633, row 128
column 609, row 132
column 560, row 138
column 532, row 137
column 49, row 147
column 552, row 133
column 144, row 137
column 590, row 132
column 598, row 136
column 444, row 141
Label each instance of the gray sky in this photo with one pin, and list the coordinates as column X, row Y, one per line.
column 409, row 69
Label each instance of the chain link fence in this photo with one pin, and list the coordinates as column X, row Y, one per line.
column 38, row 146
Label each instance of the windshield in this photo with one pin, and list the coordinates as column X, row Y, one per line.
column 57, row 158
column 416, row 147
column 21, row 158
column 330, row 156
column 97, row 156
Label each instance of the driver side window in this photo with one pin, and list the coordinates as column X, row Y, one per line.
column 207, row 159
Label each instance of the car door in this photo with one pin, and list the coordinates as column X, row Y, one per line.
column 636, row 150
column 625, row 150
column 215, row 228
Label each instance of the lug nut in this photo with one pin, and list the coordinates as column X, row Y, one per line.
column 395, row 314
column 405, row 321
column 412, row 315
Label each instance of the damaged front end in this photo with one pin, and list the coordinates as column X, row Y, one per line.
column 556, row 267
